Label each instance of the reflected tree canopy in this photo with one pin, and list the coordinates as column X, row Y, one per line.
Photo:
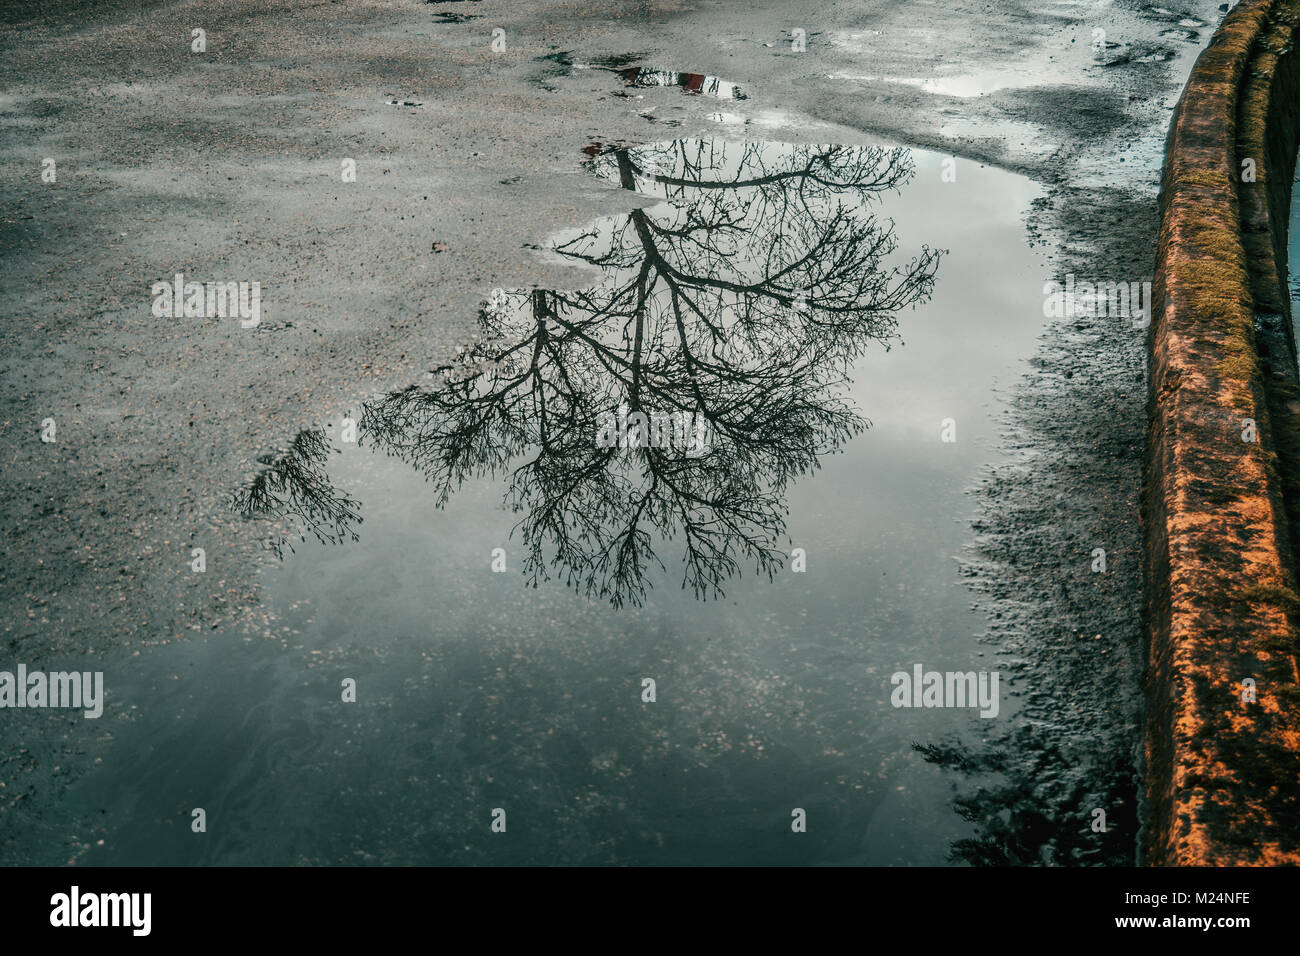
column 296, row 486
column 734, row 309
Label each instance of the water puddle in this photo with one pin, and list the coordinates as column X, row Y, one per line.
column 635, row 75
column 720, row 467
column 689, row 82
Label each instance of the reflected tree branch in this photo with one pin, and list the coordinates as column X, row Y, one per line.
column 734, row 311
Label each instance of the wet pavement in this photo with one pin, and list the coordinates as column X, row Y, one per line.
column 376, row 283
column 523, row 688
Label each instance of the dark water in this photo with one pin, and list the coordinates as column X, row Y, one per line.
column 766, row 291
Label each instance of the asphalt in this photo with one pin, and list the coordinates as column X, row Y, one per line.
column 226, row 165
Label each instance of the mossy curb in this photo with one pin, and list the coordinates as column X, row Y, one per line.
column 1222, row 495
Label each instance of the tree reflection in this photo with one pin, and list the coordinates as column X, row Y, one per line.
column 740, row 302
column 1027, row 811
column 295, row 487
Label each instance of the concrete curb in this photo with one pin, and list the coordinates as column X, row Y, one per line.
column 1223, row 464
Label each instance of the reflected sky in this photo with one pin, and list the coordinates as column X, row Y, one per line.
column 716, row 347
column 477, row 690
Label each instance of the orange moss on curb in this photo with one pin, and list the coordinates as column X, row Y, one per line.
column 1223, row 772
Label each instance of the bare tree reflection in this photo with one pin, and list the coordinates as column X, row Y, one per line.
column 296, row 488
column 1026, row 811
column 741, row 302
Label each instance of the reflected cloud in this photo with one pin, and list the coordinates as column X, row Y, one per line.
column 737, row 305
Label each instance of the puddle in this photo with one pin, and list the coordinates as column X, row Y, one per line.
column 967, row 85
column 690, row 82
column 797, row 346
column 634, row 75
column 1037, row 67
